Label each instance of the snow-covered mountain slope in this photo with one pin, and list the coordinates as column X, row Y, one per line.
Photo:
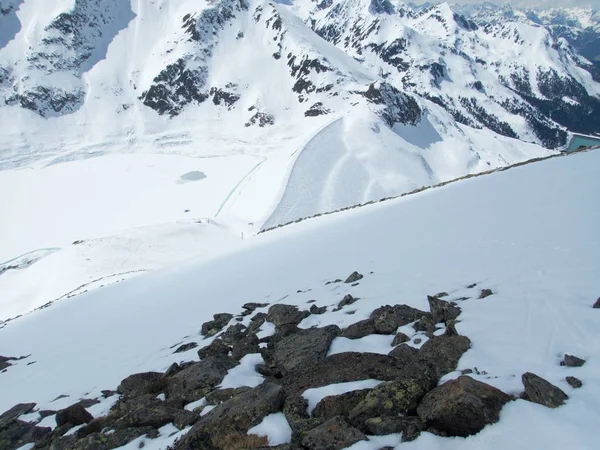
column 289, row 109
column 529, row 234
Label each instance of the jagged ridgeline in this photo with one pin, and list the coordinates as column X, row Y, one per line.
column 522, row 75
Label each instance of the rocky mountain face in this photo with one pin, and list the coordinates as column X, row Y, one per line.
column 512, row 73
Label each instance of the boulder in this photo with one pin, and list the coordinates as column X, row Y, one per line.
column 391, row 399
column 441, row 310
column 142, row 383
column 148, row 411
column 347, row 300
column 486, row 293
column 389, row 318
column 341, row 368
column 196, row 380
column 245, row 346
column 75, row 414
column 404, row 353
column 99, row 441
column 16, row 433
column 462, row 407
column 212, row 327
column 236, row 415
column 399, row 339
column 219, row 396
column 409, row 426
column 538, row 390
column 314, row 309
column 354, row 277
column 359, row 329
column 335, row 434
column 285, row 315
column 596, row 305
column 256, row 322
column 339, row 405
column 444, row 352
column 13, row 413
column 216, row 348
column 574, row 382
column 295, row 409
column 572, row 361
column 425, row 325
column 305, row 347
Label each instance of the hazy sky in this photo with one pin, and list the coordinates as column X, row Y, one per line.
column 533, row 3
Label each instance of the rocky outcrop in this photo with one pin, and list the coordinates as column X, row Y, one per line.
column 335, row 434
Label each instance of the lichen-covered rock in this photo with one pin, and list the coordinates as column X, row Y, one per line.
column 212, row 327
column 462, row 407
column 335, row 434
column 574, row 382
column 444, row 352
column 384, row 320
column 538, row 390
column 409, row 426
column 339, row 405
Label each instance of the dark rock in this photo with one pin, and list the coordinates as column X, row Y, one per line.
column 151, row 412
column 404, row 353
column 572, row 361
column 172, row 370
column 186, row 347
column 440, row 295
column 389, row 318
column 212, row 327
column 574, row 382
column 13, row 413
column 347, row 300
column 444, row 352
column 106, row 393
column 314, row 309
column 285, row 315
column 538, row 390
column 359, row 329
column 451, row 328
column 471, row 286
column 95, row 426
column 99, row 441
column 597, row 304
column 462, row 407
column 219, row 396
column 236, row 415
column 425, row 325
column 441, row 310
column 399, row 339
column 341, row 368
column 245, row 347
column 417, row 341
column 410, row 427
column 295, row 411
column 486, row 293
column 256, row 322
column 196, row 380
column 254, row 306
column 305, row 347
column 142, row 383
column 339, row 405
column 335, row 434
column 392, row 399
column 46, row 413
column 216, row 348
column 354, row 276
column 75, row 414
column 16, row 433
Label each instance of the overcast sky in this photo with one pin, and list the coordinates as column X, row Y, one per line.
column 534, row 3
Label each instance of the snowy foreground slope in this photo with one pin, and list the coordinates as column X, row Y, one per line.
column 530, row 234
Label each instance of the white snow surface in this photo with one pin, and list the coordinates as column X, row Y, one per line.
column 275, row 428
column 529, row 233
column 244, row 373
